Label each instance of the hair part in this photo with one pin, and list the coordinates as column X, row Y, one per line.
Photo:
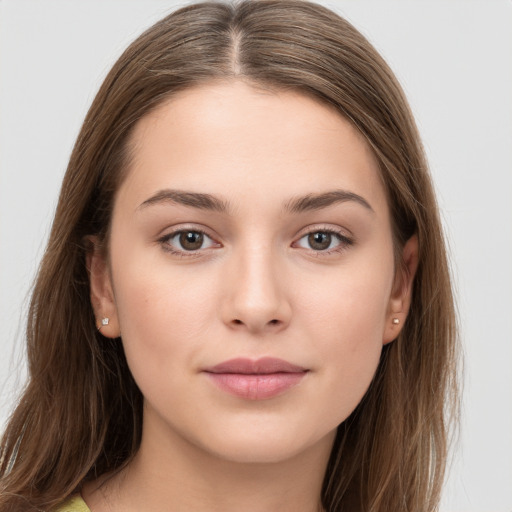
column 80, row 415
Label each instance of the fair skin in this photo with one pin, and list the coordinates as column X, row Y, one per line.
column 315, row 287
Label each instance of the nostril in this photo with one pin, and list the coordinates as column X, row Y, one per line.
column 274, row 321
column 236, row 321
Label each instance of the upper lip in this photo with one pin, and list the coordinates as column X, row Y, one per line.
column 265, row 365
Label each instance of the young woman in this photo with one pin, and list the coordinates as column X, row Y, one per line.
column 245, row 301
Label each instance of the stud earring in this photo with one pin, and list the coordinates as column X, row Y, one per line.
column 396, row 321
column 104, row 321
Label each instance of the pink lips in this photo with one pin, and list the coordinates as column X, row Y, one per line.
column 256, row 380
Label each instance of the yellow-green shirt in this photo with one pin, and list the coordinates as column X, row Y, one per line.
column 74, row 504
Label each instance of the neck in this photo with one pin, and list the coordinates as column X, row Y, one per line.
column 169, row 473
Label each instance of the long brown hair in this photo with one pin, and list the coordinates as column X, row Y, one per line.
column 80, row 415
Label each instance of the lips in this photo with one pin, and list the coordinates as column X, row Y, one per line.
column 265, row 366
column 256, row 380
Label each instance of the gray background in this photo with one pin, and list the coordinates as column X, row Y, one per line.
column 454, row 59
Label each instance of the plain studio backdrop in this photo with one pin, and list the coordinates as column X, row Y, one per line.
column 454, row 60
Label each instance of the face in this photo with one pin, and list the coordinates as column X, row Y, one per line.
column 251, row 271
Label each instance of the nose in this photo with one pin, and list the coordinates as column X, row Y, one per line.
column 255, row 293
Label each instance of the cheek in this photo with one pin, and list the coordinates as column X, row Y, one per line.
column 352, row 325
column 350, row 303
column 346, row 322
column 164, row 313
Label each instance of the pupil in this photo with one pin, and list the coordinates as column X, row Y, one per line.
column 320, row 241
column 191, row 240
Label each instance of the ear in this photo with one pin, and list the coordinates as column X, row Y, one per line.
column 401, row 295
column 102, row 292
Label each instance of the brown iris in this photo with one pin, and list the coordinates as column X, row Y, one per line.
column 319, row 240
column 191, row 240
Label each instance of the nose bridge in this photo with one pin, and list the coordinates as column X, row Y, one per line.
column 257, row 295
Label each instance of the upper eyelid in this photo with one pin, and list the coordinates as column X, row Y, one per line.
column 303, row 231
column 343, row 238
column 343, row 232
column 174, row 231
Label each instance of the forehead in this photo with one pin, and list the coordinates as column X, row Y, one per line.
column 232, row 138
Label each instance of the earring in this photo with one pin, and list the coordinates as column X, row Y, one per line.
column 396, row 321
column 104, row 321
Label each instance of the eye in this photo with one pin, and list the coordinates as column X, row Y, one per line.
column 324, row 240
column 186, row 240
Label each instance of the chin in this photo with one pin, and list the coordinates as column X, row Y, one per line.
column 257, row 453
column 265, row 446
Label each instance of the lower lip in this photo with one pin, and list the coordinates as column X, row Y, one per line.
column 256, row 386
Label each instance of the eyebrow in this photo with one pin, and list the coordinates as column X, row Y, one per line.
column 312, row 202
column 209, row 202
column 192, row 199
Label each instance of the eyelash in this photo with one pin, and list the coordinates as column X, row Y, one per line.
column 344, row 242
column 182, row 254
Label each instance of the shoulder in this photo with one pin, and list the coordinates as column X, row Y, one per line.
column 73, row 504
